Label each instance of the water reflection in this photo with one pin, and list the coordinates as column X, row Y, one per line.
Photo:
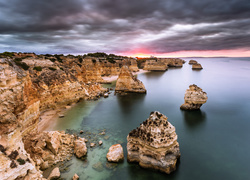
column 153, row 75
column 128, row 102
column 194, row 119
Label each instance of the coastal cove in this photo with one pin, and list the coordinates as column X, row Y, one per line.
column 213, row 141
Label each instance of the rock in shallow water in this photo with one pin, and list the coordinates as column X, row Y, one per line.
column 154, row 144
column 115, row 153
column 194, row 98
column 80, row 148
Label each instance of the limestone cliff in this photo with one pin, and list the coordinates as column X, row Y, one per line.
column 19, row 112
column 172, row 62
column 154, row 65
column 126, row 82
column 154, row 144
column 194, row 98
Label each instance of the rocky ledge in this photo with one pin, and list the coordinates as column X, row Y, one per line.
column 126, row 82
column 154, row 144
column 194, row 98
column 192, row 62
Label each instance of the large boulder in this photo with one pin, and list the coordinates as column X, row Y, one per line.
column 126, row 82
column 55, row 174
column 154, row 144
column 194, row 98
column 115, row 153
column 80, row 148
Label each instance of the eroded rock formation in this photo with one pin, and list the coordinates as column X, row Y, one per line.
column 154, row 65
column 154, row 144
column 194, row 98
column 126, row 82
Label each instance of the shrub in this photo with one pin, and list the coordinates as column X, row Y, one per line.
column 38, row 68
column 94, row 61
column 21, row 161
column 23, row 65
column 18, row 59
column 52, row 69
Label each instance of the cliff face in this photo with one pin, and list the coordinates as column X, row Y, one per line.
column 194, row 98
column 19, row 112
column 154, row 65
column 197, row 66
column 126, row 82
column 154, row 144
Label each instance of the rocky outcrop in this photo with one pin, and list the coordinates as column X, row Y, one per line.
column 126, row 82
column 154, row 144
column 80, row 148
column 192, row 62
column 194, row 98
column 19, row 112
column 154, row 65
column 172, row 62
column 49, row 147
column 115, row 153
column 197, row 66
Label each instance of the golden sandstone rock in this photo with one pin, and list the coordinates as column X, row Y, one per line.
column 154, row 144
column 194, row 98
column 126, row 82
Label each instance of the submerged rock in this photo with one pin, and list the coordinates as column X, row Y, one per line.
column 115, row 153
column 126, row 82
column 154, row 144
column 194, row 98
column 98, row 166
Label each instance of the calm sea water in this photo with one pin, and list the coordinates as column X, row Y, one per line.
column 214, row 142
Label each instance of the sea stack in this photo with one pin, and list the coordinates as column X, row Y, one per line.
column 126, row 82
column 194, row 98
column 154, row 144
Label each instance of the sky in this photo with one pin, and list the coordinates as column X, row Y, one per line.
column 164, row 28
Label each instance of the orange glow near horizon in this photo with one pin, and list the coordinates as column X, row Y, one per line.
column 209, row 53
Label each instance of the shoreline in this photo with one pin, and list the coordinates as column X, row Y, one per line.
column 48, row 118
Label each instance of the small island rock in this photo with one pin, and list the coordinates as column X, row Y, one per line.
column 154, row 144
column 197, row 66
column 115, row 153
column 126, row 82
column 192, row 62
column 194, row 98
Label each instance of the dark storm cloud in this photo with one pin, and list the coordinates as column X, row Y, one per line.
column 119, row 26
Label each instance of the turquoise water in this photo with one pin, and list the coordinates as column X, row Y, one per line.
column 214, row 142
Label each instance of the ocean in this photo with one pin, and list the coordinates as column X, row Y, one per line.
column 214, row 142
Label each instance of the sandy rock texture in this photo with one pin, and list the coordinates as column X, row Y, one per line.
column 154, row 144
column 115, row 153
column 126, row 82
column 194, row 98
